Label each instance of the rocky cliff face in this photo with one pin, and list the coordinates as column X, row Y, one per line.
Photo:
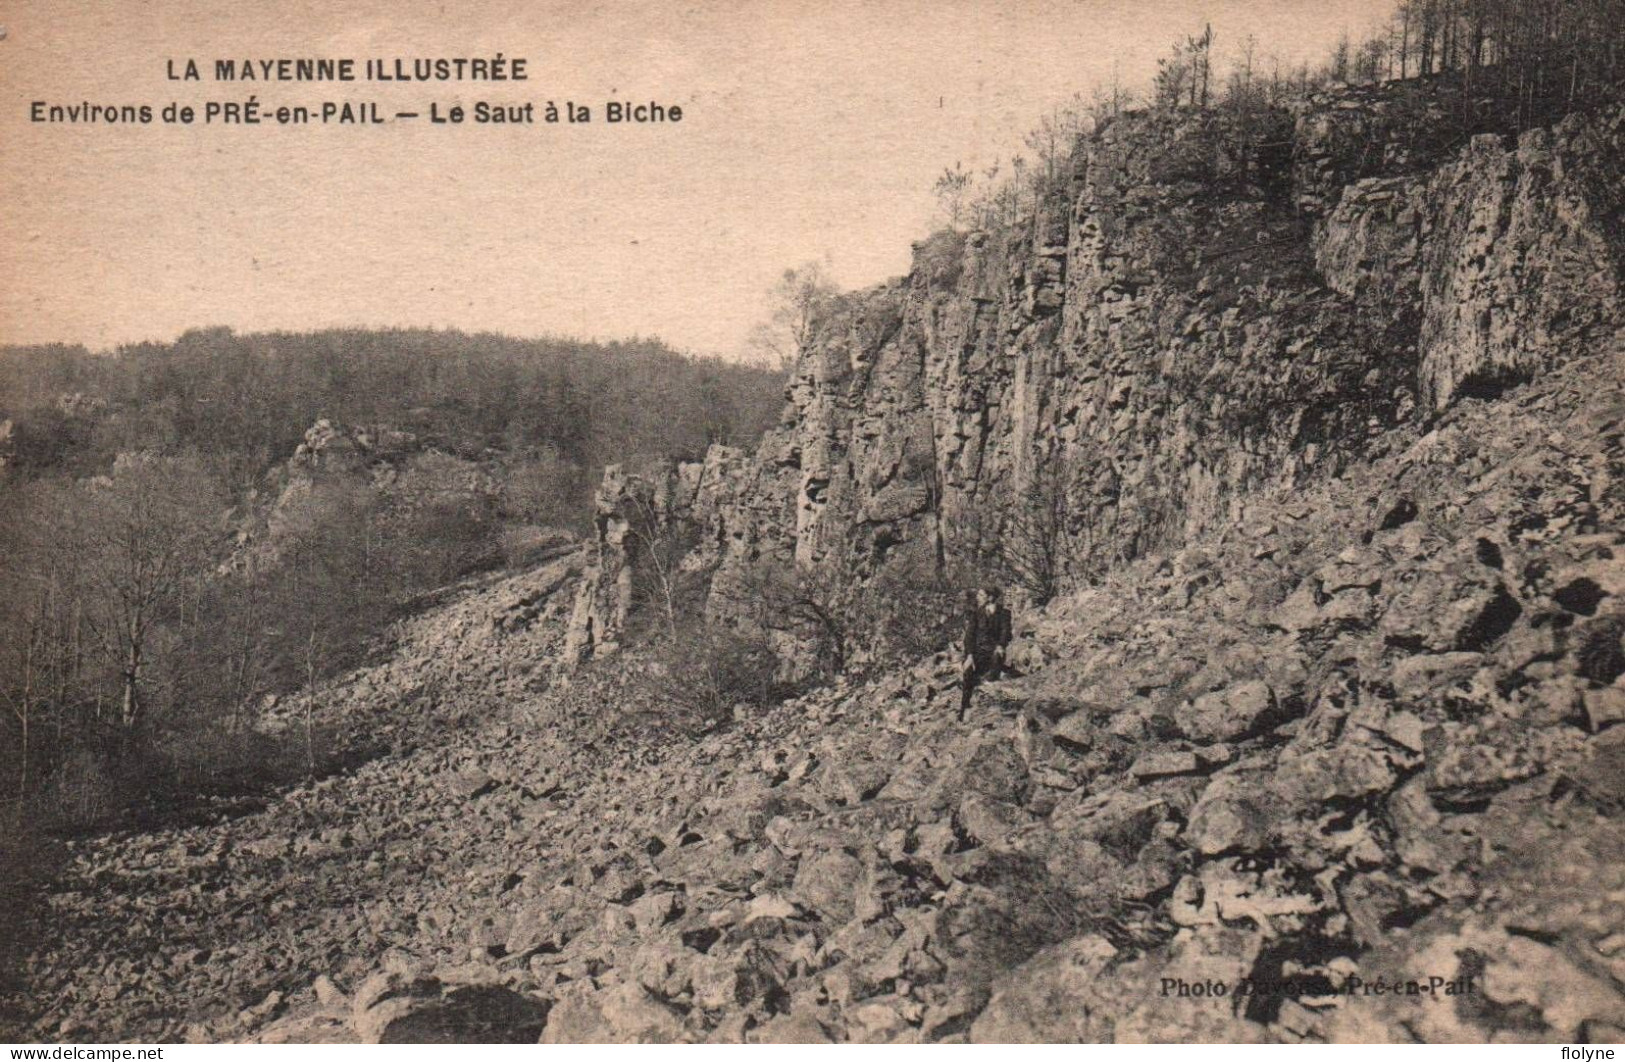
column 1217, row 307
column 1507, row 257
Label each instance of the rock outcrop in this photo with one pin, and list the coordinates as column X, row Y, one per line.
column 1507, row 256
column 643, row 517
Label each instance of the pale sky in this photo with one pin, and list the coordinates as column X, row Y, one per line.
column 811, row 131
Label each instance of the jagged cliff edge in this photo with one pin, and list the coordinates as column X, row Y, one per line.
column 1218, row 307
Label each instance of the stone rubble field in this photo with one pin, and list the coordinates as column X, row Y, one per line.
column 1371, row 730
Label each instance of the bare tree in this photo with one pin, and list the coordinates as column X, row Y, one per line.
column 812, row 605
column 1173, row 79
column 244, row 638
column 953, row 192
column 1200, row 49
column 43, row 669
column 1242, row 92
column 1341, row 59
column 139, row 533
column 1019, row 170
column 657, row 544
column 1039, row 548
column 1405, row 16
column 328, row 587
column 796, row 301
column 1052, row 142
column 24, row 698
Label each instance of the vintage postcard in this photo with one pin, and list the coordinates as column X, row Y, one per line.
column 854, row 521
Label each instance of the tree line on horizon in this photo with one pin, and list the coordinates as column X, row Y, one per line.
column 1494, row 66
column 253, row 396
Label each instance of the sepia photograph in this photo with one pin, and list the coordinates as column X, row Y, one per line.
column 840, row 522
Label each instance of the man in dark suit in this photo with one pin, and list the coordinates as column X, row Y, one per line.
column 986, row 638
